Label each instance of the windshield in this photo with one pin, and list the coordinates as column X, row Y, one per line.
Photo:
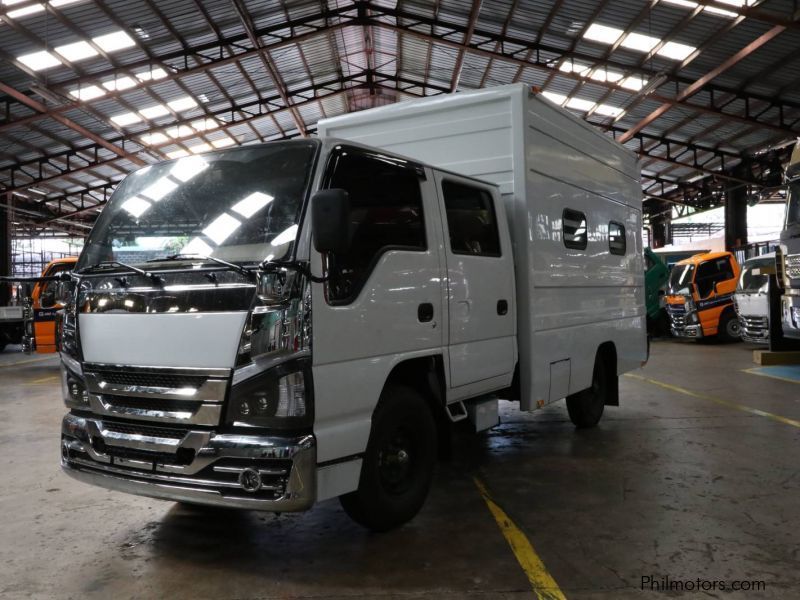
column 241, row 205
column 749, row 281
column 680, row 278
column 793, row 204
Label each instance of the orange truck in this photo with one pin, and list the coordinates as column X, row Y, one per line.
column 40, row 323
column 700, row 297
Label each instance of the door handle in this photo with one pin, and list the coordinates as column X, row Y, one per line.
column 502, row 307
column 425, row 312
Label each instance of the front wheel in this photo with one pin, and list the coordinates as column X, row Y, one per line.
column 398, row 465
column 729, row 330
column 586, row 407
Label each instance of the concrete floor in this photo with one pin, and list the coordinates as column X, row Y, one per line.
column 670, row 484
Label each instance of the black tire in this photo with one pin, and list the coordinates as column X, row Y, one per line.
column 585, row 408
column 398, row 464
column 729, row 329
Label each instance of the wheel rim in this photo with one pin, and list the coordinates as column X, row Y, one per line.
column 397, row 461
column 733, row 328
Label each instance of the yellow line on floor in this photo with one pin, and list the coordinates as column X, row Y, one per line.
column 755, row 371
column 736, row 405
column 26, row 362
column 544, row 586
column 47, row 379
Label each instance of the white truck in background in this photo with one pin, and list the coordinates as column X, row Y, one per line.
column 273, row 325
column 751, row 299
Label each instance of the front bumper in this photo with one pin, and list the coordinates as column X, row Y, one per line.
column 755, row 329
column 272, row 473
column 688, row 331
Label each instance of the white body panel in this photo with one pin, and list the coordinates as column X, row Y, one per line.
column 752, row 304
column 544, row 160
column 199, row 340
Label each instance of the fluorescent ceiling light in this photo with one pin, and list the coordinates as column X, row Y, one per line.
column 116, row 40
column 126, row 119
column 180, row 153
column 180, row 131
column 580, row 104
column 608, row 110
column 197, row 246
column 151, row 112
column 555, row 98
column 87, row 92
column 633, row 82
column 136, row 206
column 153, row 139
column 38, row 61
column 222, row 227
column 223, row 142
column 151, row 74
column 159, row 189
column 21, row 12
column 205, row 124
column 199, row 148
column 182, row 104
column 119, row 84
column 76, row 51
column 675, row 50
column 285, row 236
column 602, row 33
column 251, row 204
column 188, row 167
column 639, row 41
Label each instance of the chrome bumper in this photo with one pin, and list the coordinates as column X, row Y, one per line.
column 688, row 331
column 754, row 329
column 791, row 314
column 202, row 467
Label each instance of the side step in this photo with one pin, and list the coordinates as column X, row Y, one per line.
column 483, row 413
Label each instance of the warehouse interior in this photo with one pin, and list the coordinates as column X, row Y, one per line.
column 688, row 486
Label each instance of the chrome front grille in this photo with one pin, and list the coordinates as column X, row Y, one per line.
column 754, row 329
column 677, row 314
column 793, row 266
column 170, row 396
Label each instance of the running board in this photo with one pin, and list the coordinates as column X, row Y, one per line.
column 456, row 411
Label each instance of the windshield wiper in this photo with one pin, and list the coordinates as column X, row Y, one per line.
column 120, row 265
column 232, row 266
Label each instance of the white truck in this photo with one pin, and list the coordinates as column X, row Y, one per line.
column 751, row 299
column 273, row 325
column 788, row 252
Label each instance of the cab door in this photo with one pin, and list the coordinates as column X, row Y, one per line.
column 480, row 286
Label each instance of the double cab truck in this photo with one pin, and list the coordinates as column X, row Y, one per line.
column 788, row 254
column 700, row 297
column 42, row 308
column 270, row 326
column 751, row 299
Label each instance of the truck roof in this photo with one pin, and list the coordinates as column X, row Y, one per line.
column 66, row 259
column 702, row 257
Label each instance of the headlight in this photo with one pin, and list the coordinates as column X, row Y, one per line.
column 73, row 390
column 279, row 398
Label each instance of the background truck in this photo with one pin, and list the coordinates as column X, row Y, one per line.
column 302, row 320
column 42, row 308
column 751, row 299
column 656, row 276
column 12, row 325
column 788, row 252
column 700, row 297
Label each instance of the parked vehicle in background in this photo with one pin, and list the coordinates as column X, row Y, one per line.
column 41, row 309
column 751, row 300
column 788, row 254
column 12, row 325
column 700, row 297
column 656, row 276
column 268, row 326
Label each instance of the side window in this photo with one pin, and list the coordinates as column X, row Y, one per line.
column 471, row 220
column 385, row 214
column 616, row 238
column 574, row 229
column 711, row 272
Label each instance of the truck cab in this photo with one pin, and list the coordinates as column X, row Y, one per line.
column 751, row 300
column 700, row 297
column 788, row 255
column 41, row 310
column 656, row 276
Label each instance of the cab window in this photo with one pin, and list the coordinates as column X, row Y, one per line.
column 712, row 272
column 471, row 220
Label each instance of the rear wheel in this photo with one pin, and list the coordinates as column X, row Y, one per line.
column 729, row 330
column 398, row 465
column 586, row 407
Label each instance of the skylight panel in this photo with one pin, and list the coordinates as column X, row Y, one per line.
column 180, row 153
column 152, row 112
column 87, row 92
column 159, row 189
column 573, row 67
column 24, row 11
column 555, row 98
column 675, row 50
column 205, row 124
column 126, row 119
column 180, row 131
column 154, row 139
column 151, row 74
column 136, row 206
column 76, row 51
column 603, row 74
column 580, row 104
column 223, row 142
column 633, row 82
column 119, row 84
column 222, row 227
column 602, row 33
column 199, row 148
column 182, row 104
column 39, row 61
column 608, row 110
column 60, row 3
column 640, row 42
column 188, row 167
column 111, row 42
column 251, row 204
